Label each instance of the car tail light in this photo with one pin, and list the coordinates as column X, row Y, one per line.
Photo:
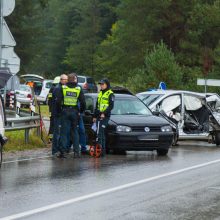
column 29, row 96
column 85, row 86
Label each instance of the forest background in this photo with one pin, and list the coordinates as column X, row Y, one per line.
column 135, row 43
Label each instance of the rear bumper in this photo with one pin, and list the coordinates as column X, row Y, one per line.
column 140, row 141
column 41, row 99
column 24, row 100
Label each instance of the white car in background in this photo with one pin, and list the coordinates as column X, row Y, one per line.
column 24, row 94
column 2, row 118
column 40, row 86
column 195, row 118
column 3, row 139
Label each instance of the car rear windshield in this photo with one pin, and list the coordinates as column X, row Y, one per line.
column 130, row 107
column 81, row 79
column 148, row 99
column 90, row 80
column 25, row 88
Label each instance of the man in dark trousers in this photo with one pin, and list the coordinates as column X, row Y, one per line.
column 104, row 105
column 56, row 114
column 68, row 97
column 56, row 82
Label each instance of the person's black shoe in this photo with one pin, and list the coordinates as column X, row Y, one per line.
column 68, row 151
column 76, row 155
column 60, row 155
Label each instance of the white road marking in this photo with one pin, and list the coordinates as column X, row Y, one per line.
column 104, row 192
column 30, row 158
column 27, row 159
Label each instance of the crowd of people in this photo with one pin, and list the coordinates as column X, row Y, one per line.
column 67, row 104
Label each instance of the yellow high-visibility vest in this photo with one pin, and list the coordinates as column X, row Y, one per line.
column 103, row 100
column 70, row 95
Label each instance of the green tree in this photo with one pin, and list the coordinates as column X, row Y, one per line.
column 160, row 65
column 141, row 25
column 88, row 33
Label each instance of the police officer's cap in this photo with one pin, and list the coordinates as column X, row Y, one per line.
column 102, row 81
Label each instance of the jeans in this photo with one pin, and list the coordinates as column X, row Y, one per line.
column 69, row 128
column 101, row 133
column 82, row 135
column 56, row 134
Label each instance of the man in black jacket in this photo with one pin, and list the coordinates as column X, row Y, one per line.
column 56, row 113
column 68, row 98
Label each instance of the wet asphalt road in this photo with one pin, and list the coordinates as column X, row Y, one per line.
column 193, row 193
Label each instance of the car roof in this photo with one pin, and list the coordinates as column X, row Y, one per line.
column 84, row 76
column 116, row 95
column 170, row 92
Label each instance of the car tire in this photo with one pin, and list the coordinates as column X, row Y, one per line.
column 217, row 138
column 162, row 152
column 119, row 152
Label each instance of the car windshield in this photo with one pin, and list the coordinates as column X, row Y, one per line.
column 24, row 88
column 148, row 99
column 130, row 107
column 81, row 79
column 90, row 80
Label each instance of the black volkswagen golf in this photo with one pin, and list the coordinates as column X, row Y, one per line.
column 132, row 126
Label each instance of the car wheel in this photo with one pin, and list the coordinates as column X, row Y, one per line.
column 119, row 152
column 162, row 152
column 217, row 138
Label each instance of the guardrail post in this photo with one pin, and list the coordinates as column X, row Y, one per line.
column 26, row 136
column 18, row 106
column 38, row 131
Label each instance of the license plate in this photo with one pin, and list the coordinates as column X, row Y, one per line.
column 148, row 138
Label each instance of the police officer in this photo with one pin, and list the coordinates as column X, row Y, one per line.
column 68, row 98
column 56, row 81
column 56, row 113
column 81, row 129
column 104, row 105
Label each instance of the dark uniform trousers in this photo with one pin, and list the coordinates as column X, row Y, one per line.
column 69, row 120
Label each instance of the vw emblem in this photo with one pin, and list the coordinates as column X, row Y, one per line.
column 147, row 129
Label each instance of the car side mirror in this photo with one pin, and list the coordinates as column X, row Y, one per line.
column 88, row 112
column 156, row 113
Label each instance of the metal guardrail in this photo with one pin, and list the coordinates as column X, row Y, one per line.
column 24, row 121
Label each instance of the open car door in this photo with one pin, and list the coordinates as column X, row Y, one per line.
column 32, row 78
column 2, row 118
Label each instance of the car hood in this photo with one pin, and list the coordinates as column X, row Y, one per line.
column 138, row 120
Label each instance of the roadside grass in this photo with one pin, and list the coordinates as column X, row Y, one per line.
column 44, row 111
column 16, row 141
column 43, row 108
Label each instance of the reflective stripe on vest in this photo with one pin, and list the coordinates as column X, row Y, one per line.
column 70, row 95
column 103, row 100
column 49, row 95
